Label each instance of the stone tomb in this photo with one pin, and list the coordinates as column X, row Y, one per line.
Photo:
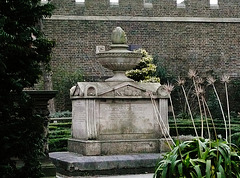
column 117, row 118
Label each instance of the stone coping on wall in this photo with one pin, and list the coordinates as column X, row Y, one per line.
column 147, row 19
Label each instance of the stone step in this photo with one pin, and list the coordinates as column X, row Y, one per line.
column 72, row 164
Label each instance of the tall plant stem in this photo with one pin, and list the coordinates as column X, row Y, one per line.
column 214, row 128
column 175, row 121
column 228, row 110
column 205, row 113
column 229, row 119
column 210, row 115
column 161, row 124
column 200, row 107
column 174, row 117
column 220, row 104
column 189, row 110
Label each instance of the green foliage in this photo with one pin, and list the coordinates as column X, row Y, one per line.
column 145, row 70
column 21, row 137
column 185, row 127
column 61, row 114
column 58, row 136
column 162, row 72
column 59, row 144
column 234, row 95
column 213, row 104
column 60, row 126
column 236, row 138
column 63, row 80
column 23, row 50
column 200, row 158
column 203, row 157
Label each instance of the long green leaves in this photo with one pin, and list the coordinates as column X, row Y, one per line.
column 198, row 159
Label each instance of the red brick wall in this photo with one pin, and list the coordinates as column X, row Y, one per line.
column 180, row 45
column 205, row 45
column 161, row 8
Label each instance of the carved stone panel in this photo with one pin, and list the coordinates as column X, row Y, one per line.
column 126, row 117
column 127, row 91
column 79, row 121
column 84, row 119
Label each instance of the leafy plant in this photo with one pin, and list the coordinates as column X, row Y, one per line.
column 63, row 80
column 145, row 70
column 200, row 158
column 58, row 136
column 161, row 71
column 235, row 137
column 23, row 51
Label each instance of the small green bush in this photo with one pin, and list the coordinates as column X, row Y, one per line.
column 60, row 125
column 61, row 114
column 58, row 144
column 145, row 70
column 59, row 133
column 63, row 80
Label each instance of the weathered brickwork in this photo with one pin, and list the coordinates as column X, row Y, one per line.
column 163, row 8
column 204, row 46
column 210, row 45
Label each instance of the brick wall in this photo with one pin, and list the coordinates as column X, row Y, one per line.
column 164, row 8
column 197, row 36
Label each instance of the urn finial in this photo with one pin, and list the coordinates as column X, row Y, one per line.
column 119, row 58
column 119, row 36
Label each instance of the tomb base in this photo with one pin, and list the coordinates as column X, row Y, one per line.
column 116, row 147
column 112, row 118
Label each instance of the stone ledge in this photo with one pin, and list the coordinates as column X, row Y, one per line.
column 72, row 164
column 114, row 147
column 146, row 19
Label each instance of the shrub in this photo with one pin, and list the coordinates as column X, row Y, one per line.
column 59, row 133
column 145, row 70
column 63, row 80
column 59, row 144
column 61, row 114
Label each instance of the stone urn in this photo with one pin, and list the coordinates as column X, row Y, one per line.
column 119, row 58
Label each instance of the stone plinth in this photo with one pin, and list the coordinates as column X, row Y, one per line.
column 40, row 100
column 117, row 117
column 73, row 164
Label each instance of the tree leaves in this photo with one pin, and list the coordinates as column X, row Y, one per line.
column 21, row 58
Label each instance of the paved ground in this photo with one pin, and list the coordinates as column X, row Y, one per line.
column 115, row 176
column 140, row 164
